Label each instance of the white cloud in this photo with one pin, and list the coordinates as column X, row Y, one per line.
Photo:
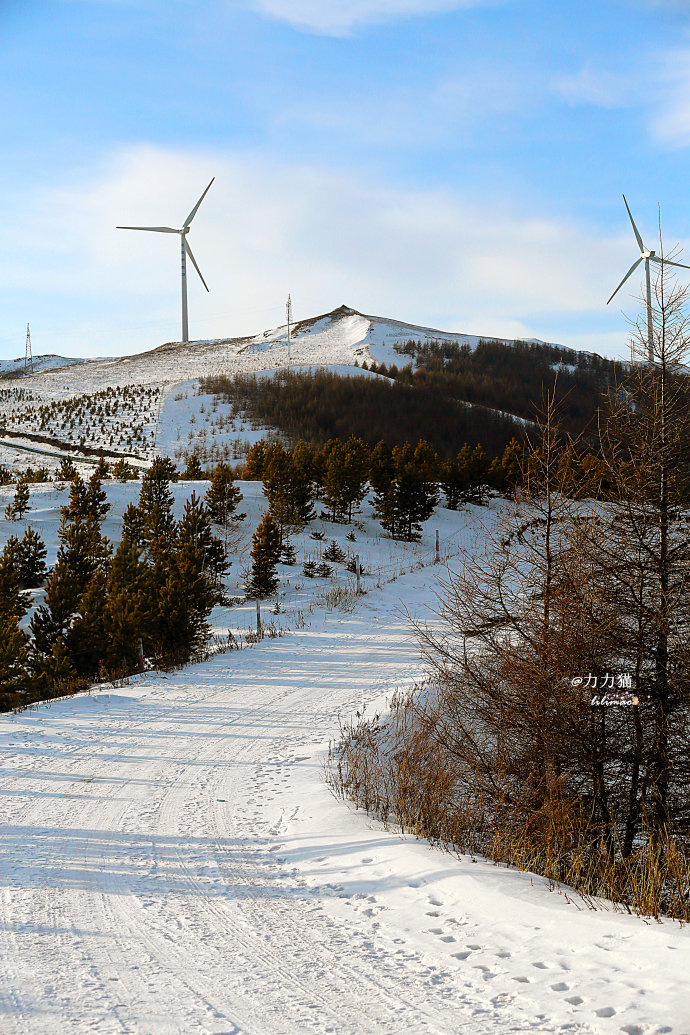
column 671, row 123
column 428, row 256
column 446, row 110
column 337, row 17
column 594, row 86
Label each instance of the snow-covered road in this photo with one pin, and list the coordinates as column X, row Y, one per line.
column 171, row 861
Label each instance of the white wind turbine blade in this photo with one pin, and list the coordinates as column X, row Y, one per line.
column 630, row 271
column 667, row 262
column 155, row 229
column 191, row 256
column 194, row 211
column 637, row 232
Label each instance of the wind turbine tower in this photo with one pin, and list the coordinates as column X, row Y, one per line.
column 186, row 251
column 28, row 356
column 647, row 255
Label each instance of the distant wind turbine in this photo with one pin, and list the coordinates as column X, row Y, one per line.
column 646, row 256
column 186, row 250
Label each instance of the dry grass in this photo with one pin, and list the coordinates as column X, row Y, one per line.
column 397, row 771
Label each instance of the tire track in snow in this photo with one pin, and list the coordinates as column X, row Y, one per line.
column 169, row 910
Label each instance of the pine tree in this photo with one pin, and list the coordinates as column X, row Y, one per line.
column 127, row 615
column 97, row 505
column 288, row 554
column 14, row 677
column 381, row 467
column 185, row 601
column 74, row 599
column 512, row 464
column 265, row 554
column 20, row 503
column 66, row 470
column 123, row 471
column 334, row 485
column 12, row 604
column 156, row 506
column 254, row 464
column 77, row 505
column 478, row 471
column 55, row 674
column 333, row 552
column 193, row 472
column 222, row 499
column 410, row 498
column 195, row 530
column 288, row 489
column 346, row 469
column 102, row 470
column 452, row 483
column 27, row 556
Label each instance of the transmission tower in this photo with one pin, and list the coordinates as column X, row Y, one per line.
column 28, row 359
column 288, row 313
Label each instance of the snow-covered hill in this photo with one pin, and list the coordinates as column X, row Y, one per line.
column 155, row 382
column 16, row 367
column 340, row 337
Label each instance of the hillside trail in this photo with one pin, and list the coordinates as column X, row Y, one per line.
column 154, row 876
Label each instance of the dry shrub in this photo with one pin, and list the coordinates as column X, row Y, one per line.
column 397, row 770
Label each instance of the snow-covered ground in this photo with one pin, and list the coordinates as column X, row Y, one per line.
column 18, row 365
column 172, row 861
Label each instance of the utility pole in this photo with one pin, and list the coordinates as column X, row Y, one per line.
column 29, row 359
column 288, row 313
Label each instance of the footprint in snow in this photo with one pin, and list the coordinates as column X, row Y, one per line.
column 605, row 1011
column 560, row 987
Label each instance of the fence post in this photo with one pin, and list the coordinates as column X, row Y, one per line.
column 437, row 558
column 259, row 631
column 140, row 646
column 358, row 569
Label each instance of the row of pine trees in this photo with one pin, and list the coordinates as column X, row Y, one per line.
column 105, row 608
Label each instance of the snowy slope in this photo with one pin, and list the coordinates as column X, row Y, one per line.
column 40, row 363
column 171, row 860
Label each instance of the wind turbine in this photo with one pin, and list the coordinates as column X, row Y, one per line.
column 186, row 251
column 646, row 256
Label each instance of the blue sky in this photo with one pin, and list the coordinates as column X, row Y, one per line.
column 456, row 164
